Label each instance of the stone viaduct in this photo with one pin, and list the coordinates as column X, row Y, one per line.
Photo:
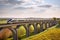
column 26, row 24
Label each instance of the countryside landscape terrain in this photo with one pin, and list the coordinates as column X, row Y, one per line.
column 49, row 33
column 29, row 19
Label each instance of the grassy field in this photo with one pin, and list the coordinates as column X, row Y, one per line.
column 3, row 21
column 49, row 34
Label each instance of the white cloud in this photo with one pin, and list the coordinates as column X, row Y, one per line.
column 32, row 10
column 32, row 1
column 27, row 0
column 51, row 12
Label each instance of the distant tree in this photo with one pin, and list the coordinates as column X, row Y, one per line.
column 59, row 22
column 5, row 33
column 54, row 18
column 58, row 26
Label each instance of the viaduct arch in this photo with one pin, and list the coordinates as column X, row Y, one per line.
column 48, row 23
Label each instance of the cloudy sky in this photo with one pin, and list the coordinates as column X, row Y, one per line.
column 29, row 8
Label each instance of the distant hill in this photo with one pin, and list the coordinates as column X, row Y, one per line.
column 26, row 18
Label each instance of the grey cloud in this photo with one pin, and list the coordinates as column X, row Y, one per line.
column 10, row 2
column 22, row 8
column 15, row 2
column 45, row 6
column 32, row 7
column 4, row 4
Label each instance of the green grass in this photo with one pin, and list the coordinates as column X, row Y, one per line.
column 3, row 21
column 9, row 39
